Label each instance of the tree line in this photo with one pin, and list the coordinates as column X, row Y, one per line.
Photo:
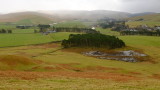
column 145, row 32
column 93, row 40
column 5, row 31
column 46, row 28
column 75, row 29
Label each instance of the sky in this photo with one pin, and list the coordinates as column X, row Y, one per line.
column 132, row 6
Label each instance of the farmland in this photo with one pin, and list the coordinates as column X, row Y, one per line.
column 48, row 66
column 21, row 37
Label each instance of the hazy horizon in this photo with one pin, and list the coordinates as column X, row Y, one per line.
column 131, row 6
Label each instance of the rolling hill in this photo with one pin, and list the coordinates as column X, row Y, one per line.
column 47, row 17
column 141, row 14
column 87, row 15
column 149, row 17
column 149, row 20
column 26, row 18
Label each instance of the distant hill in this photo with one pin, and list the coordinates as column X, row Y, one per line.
column 150, row 17
column 87, row 15
column 142, row 14
column 149, row 20
column 47, row 17
column 26, row 18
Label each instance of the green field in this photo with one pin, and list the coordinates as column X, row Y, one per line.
column 3, row 26
column 21, row 37
column 28, row 37
column 48, row 66
column 71, row 24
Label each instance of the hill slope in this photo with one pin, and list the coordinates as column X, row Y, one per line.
column 26, row 18
column 150, row 17
column 47, row 17
column 149, row 20
column 142, row 14
column 87, row 15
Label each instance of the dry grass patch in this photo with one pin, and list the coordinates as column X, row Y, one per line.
column 13, row 60
column 94, row 75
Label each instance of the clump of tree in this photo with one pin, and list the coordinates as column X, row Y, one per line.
column 93, row 40
column 80, row 30
column 43, row 28
column 5, row 31
column 24, row 26
column 144, row 32
column 9, row 31
column 116, row 25
column 141, row 19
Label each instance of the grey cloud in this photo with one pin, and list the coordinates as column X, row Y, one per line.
column 115, row 5
column 140, row 5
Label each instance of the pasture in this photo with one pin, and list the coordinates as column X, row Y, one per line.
column 22, row 37
column 48, row 66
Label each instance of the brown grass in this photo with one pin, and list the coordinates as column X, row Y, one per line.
column 135, row 73
column 156, row 76
column 72, row 66
column 95, row 75
column 13, row 60
column 41, row 46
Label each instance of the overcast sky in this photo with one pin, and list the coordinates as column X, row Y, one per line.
column 131, row 6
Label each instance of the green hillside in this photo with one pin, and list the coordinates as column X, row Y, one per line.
column 150, row 20
column 26, row 18
column 150, row 17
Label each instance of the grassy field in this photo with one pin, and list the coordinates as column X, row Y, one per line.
column 108, row 31
column 19, row 39
column 71, row 24
column 48, row 66
column 3, row 26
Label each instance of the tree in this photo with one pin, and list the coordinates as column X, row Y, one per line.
column 9, row 31
column 43, row 27
column 4, row 31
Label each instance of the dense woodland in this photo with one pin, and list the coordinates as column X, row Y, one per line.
column 93, row 40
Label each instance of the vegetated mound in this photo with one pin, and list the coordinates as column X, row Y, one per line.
column 93, row 40
column 13, row 60
column 150, row 17
column 26, row 18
